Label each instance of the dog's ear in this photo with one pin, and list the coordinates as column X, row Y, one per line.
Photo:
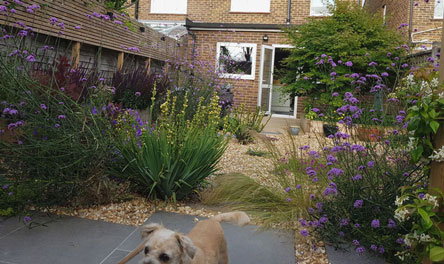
column 147, row 230
column 186, row 245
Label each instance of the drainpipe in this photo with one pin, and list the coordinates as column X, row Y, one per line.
column 289, row 12
column 411, row 21
column 136, row 11
column 193, row 51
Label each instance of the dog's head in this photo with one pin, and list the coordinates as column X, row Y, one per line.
column 164, row 246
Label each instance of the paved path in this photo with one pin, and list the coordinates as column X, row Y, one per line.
column 71, row 240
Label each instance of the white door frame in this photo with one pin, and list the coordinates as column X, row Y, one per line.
column 261, row 73
column 259, row 101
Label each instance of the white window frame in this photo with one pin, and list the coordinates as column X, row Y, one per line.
column 435, row 14
column 155, row 10
column 250, row 6
column 250, row 76
column 319, row 15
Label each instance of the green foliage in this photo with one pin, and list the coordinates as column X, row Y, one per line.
column 425, row 116
column 283, row 202
column 242, row 122
column 257, row 153
column 171, row 159
column 350, row 34
column 426, row 238
column 119, row 5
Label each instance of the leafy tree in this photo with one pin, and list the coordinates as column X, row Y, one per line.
column 350, row 34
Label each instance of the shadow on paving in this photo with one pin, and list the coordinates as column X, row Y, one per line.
column 349, row 256
column 70, row 240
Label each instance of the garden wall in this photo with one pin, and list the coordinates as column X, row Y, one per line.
column 94, row 35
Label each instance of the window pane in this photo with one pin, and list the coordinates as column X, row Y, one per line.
column 236, row 59
column 439, row 8
column 169, row 6
column 319, row 7
column 250, row 5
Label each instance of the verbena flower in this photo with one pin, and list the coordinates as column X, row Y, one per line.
column 304, row 232
column 375, row 223
column 358, row 203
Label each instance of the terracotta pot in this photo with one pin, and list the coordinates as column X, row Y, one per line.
column 370, row 133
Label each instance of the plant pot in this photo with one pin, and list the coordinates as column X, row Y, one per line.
column 372, row 134
column 294, row 130
column 329, row 129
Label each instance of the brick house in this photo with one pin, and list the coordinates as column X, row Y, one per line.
column 422, row 20
column 249, row 32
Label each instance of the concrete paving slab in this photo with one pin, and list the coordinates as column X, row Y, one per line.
column 246, row 245
column 349, row 255
column 65, row 240
column 9, row 225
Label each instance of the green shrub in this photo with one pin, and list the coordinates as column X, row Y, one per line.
column 242, row 122
column 172, row 158
column 59, row 143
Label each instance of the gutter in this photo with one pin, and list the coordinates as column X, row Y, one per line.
column 136, row 11
column 289, row 12
column 411, row 21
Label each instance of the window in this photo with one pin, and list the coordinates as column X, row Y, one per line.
column 169, row 6
column 253, row 6
column 236, row 60
column 439, row 9
column 320, row 7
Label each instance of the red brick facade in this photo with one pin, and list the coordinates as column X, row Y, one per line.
column 425, row 28
column 218, row 11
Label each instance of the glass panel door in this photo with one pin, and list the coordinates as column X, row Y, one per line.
column 266, row 78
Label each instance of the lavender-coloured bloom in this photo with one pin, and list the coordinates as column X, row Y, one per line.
column 375, row 223
column 362, row 167
column 391, row 223
column 400, row 241
column 288, row 199
column 77, row 27
column 355, row 242
column 341, row 234
column 310, row 210
column 27, row 219
column 357, row 177
column 333, row 74
column 332, row 159
column 312, row 196
column 61, row 117
column 53, row 20
column 335, row 172
column 316, row 110
column 357, row 225
column 56, row 125
column 6, row 186
column 358, row 203
column 304, row 233
column 372, row 64
column 349, row 64
column 381, row 249
column 288, row 189
column 31, row 58
column 323, row 219
column 335, row 94
column 43, row 106
column 298, row 186
column 344, row 222
column 94, row 111
column 360, row 250
column 371, row 164
column 10, row 193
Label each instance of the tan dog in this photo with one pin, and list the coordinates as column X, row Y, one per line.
column 205, row 244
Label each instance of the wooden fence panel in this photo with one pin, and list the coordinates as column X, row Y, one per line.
column 88, row 23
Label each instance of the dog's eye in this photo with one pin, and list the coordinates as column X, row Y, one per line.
column 147, row 250
column 164, row 257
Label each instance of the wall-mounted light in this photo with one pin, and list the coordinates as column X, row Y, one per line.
column 265, row 38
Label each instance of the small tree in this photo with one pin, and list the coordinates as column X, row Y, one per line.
column 350, row 34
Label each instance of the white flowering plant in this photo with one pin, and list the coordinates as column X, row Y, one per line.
column 425, row 114
column 426, row 239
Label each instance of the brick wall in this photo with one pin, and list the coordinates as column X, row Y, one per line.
column 245, row 91
column 398, row 12
column 219, row 11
